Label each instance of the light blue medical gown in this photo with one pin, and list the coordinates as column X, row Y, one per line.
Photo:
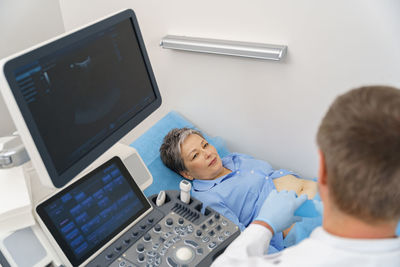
column 240, row 194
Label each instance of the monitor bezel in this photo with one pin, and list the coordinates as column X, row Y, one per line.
column 46, row 221
column 28, row 129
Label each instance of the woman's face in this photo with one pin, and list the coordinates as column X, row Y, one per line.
column 200, row 158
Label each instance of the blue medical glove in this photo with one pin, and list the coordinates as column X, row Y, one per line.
column 278, row 209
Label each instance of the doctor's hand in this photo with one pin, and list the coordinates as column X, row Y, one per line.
column 278, row 209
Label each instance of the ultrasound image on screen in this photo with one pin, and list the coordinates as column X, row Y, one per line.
column 81, row 94
column 90, row 107
column 92, row 212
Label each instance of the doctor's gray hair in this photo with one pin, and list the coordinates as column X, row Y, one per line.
column 170, row 150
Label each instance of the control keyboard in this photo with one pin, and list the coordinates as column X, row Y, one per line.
column 175, row 234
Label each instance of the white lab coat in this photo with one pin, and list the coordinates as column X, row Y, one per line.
column 321, row 249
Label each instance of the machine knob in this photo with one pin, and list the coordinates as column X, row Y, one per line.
column 217, row 216
column 140, row 247
column 157, row 228
column 198, row 233
column 180, row 221
column 150, row 220
column 134, row 234
column 140, row 257
column 147, row 237
column 169, row 221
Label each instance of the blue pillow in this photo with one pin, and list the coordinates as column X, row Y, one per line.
column 148, row 146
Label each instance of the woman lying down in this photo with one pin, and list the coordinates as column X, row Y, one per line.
column 236, row 185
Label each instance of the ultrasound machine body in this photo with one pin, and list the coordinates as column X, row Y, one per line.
column 72, row 98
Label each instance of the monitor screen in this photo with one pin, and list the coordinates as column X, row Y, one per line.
column 87, row 214
column 81, row 93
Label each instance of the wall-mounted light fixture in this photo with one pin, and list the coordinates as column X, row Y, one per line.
column 224, row 47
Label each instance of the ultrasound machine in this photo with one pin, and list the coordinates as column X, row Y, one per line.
column 72, row 99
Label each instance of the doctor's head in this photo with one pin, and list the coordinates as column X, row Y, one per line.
column 359, row 141
column 188, row 153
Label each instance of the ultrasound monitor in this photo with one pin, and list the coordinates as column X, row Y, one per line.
column 75, row 96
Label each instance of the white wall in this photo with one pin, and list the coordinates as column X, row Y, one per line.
column 267, row 109
column 270, row 110
column 24, row 23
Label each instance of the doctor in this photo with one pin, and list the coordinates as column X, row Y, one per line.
column 359, row 184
